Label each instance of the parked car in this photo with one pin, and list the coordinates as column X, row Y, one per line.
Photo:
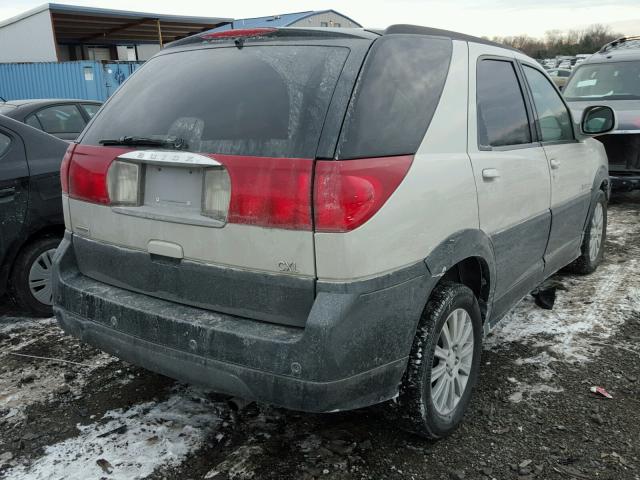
column 612, row 77
column 31, row 221
column 559, row 76
column 348, row 212
column 59, row 117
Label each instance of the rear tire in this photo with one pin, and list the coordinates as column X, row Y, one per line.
column 595, row 235
column 443, row 365
column 31, row 276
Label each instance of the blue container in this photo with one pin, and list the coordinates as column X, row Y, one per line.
column 88, row 80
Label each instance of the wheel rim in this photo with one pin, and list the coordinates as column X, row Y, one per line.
column 40, row 277
column 452, row 361
column 596, row 232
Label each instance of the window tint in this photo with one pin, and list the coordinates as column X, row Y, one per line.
column 90, row 108
column 502, row 116
column 61, row 119
column 5, row 142
column 267, row 101
column 32, row 121
column 396, row 96
column 554, row 119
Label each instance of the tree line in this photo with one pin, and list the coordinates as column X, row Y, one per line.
column 557, row 42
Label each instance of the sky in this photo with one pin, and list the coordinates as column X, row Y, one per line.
column 475, row 17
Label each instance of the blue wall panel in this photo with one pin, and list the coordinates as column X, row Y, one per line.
column 85, row 79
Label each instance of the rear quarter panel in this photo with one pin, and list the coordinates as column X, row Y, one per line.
column 436, row 198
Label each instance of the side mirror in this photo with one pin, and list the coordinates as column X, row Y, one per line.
column 597, row 120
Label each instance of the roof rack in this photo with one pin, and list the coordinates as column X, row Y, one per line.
column 620, row 42
column 419, row 30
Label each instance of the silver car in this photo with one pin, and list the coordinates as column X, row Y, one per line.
column 612, row 77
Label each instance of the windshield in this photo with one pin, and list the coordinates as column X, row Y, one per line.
column 267, row 101
column 609, row 81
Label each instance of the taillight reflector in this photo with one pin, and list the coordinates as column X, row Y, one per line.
column 347, row 193
column 239, row 33
column 269, row 192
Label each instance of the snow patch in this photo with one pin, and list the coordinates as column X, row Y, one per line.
column 590, row 310
column 526, row 391
column 154, row 434
column 37, row 380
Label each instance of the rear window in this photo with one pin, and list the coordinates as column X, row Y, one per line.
column 262, row 100
column 396, row 96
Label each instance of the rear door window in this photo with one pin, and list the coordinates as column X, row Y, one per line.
column 502, row 115
column 396, row 96
column 61, row 119
column 553, row 117
column 265, row 100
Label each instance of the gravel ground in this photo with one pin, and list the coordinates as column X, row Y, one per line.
column 88, row 415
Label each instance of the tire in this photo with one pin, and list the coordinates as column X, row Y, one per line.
column 595, row 235
column 31, row 276
column 420, row 408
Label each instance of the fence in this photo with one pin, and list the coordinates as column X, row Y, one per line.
column 88, row 80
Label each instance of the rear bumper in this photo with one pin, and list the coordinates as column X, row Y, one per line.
column 624, row 182
column 351, row 353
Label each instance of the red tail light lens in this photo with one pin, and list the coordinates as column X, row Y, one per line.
column 240, row 33
column 347, row 193
column 88, row 172
column 269, row 192
column 64, row 168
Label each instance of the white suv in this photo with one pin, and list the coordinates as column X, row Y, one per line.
column 326, row 219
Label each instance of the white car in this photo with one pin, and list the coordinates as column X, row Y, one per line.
column 326, row 219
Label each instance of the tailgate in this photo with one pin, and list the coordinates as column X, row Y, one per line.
column 193, row 183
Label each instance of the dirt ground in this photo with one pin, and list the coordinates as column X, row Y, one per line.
column 532, row 415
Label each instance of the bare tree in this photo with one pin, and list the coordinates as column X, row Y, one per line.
column 557, row 42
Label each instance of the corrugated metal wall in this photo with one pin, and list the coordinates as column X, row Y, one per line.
column 87, row 80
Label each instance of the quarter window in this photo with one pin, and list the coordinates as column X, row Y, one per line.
column 502, row 115
column 32, row 121
column 5, row 143
column 554, row 119
column 90, row 108
column 61, row 119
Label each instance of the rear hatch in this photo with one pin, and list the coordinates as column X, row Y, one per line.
column 194, row 182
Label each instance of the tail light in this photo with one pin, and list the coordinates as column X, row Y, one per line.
column 270, row 192
column 123, row 183
column 260, row 191
column 347, row 193
column 64, row 168
column 217, row 193
column 88, row 167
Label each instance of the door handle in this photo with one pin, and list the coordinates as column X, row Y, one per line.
column 490, row 173
column 555, row 164
column 7, row 193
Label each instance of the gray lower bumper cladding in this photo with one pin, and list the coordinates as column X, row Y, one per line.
column 351, row 353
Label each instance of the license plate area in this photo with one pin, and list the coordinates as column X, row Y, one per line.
column 176, row 190
column 172, row 190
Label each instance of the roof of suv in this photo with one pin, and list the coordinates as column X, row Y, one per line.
column 625, row 48
column 347, row 32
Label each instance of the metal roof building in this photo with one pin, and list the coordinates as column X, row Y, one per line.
column 57, row 33
column 320, row 18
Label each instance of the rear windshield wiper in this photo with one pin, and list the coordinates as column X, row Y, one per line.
column 170, row 142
